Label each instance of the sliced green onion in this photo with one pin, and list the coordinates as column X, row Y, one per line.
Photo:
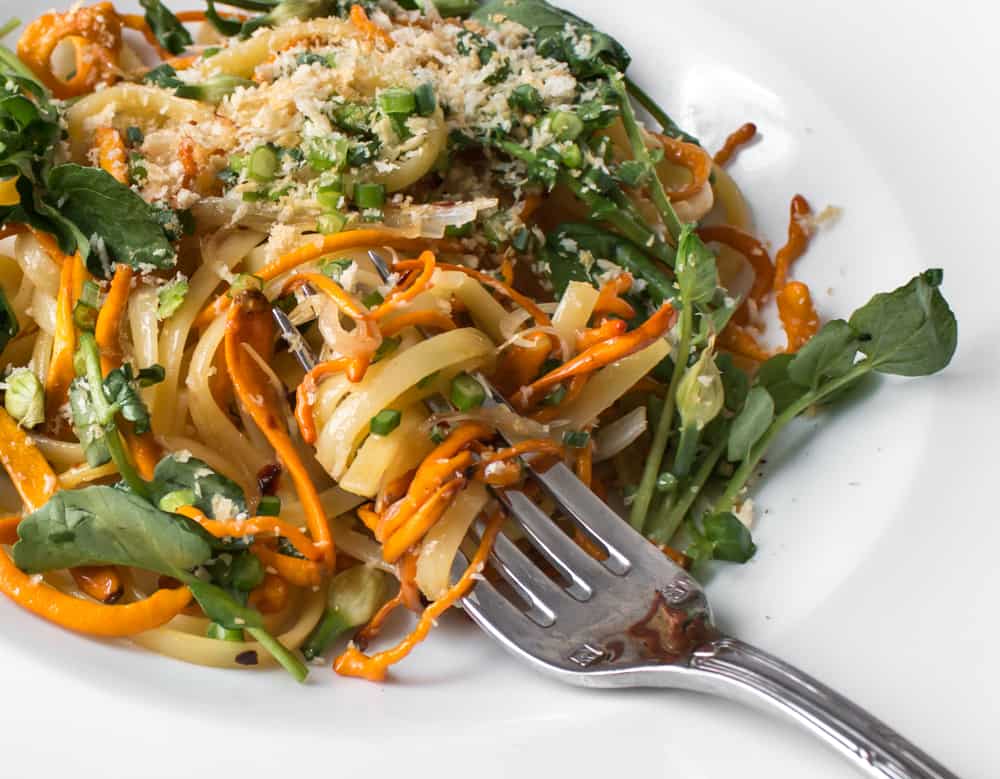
column 170, row 297
column 427, row 379
column 368, row 194
column 426, row 99
column 213, row 89
column 439, row 432
column 385, row 421
column 263, row 164
column 397, row 101
column 174, row 500
column 566, row 125
column 335, row 268
column 84, row 316
column 466, row 392
column 459, row 231
column 327, row 153
column 576, row 439
column 571, row 156
column 330, row 222
column 269, row 506
column 220, row 633
column 245, row 281
column 329, row 196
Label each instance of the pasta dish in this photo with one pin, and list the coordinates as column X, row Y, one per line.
column 176, row 186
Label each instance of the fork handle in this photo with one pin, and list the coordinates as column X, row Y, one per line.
column 740, row 671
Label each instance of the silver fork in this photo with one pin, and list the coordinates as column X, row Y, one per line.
column 636, row 619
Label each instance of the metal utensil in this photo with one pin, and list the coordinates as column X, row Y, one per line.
column 636, row 619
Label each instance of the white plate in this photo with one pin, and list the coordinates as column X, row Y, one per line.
column 876, row 568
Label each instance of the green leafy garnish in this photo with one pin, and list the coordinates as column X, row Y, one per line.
column 167, row 28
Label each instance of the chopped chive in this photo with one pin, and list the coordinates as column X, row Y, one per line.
column 372, row 299
column 576, row 439
column 329, row 196
column 385, row 421
column 134, row 135
column 466, row 392
column 84, row 316
column 335, row 268
column 368, row 194
column 245, row 281
column 459, row 231
column 330, row 222
column 174, row 500
column 397, row 101
column 427, row 379
column 217, row 631
column 263, row 164
column 269, row 506
column 555, row 397
column 425, row 99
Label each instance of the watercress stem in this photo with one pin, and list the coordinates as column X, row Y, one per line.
column 641, row 153
column 745, row 471
column 281, row 653
column 670, row 514
column 105, row 413
column 644, row 494
column 668, row 125
column 686, row 448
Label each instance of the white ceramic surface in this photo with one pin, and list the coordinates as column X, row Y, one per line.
column 876, row 568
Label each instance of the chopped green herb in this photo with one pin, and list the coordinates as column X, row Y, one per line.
column 466, row 392
column 385, row 421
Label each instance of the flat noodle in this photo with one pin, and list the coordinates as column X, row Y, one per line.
column 221, row 252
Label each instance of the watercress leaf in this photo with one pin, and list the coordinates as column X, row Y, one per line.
column 828, row 354
column 220, row 606
column 167, row 28
column 910, row 331
column 560, row 35
column 562, row 253
column 735, row 382
column 226, row 27
column 697, row 277
column 176, row 473
column 103, row 525
column 730, row 538
column 163, row 76
column 110, row 213
column 8, row 321
column 773, row 376
column 750, row 424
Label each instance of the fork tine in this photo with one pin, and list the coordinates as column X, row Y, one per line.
column 539, row 592
column 595, row 518
column 573, row 564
